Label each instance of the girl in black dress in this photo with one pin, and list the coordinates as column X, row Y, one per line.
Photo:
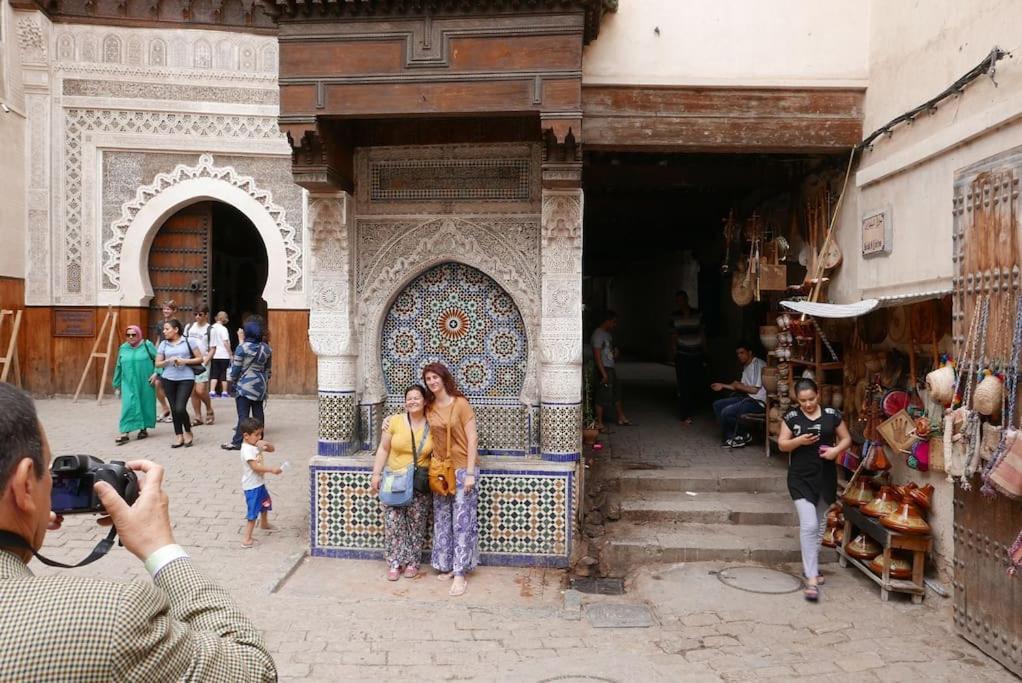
column 815, row 437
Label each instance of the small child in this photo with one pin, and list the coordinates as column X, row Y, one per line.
column 257, row 497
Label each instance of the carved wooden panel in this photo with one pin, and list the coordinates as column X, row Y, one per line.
column 721, row 119
column 987, row 235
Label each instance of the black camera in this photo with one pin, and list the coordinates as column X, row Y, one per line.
column 74, row 477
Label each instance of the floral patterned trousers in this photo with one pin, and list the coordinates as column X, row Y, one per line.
column 455, row 529
column 404, row 529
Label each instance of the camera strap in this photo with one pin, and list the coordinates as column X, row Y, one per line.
column 12, row 540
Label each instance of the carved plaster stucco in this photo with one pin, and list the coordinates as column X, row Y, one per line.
column 392, row 254
column 31, row 40
column 330, row 331
column 207, row 169
column 79, row 124
column 190, row 49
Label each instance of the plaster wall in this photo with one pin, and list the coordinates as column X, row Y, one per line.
column 915, row 54
column 12, row 141
column 782, row 43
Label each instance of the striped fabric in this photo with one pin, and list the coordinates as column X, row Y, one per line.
column 1007, row 476
column 182, row 627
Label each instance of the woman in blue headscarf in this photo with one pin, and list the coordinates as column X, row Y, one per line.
column 250, row 373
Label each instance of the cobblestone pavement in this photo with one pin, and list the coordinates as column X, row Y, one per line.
column 341, row 620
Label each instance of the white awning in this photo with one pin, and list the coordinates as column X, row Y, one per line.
column 832, row 310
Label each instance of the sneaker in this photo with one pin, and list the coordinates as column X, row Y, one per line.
column 394, row 573
column 738, row 442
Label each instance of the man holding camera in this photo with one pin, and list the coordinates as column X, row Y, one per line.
column 181, row 627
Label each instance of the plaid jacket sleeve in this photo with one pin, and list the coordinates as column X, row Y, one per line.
column 185, row 627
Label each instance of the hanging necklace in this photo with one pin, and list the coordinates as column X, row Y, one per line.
column 1008, row 418
column 972, row 433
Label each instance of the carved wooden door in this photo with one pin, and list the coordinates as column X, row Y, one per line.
column 987, row 235
column 179, row 264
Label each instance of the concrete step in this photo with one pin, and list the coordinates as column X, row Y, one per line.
column 709, row 508
column 630, row 544
column 730, row 479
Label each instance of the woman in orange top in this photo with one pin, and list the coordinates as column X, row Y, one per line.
column 455, row 523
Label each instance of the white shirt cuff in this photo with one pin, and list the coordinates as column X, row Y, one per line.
column 162, row 557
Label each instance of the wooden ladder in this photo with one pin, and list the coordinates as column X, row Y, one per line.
column 11, row 357
column 111, row 319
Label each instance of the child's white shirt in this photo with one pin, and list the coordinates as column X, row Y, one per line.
column 250, row 479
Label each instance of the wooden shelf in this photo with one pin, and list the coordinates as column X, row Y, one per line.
column 917, row 544
column 832, row 365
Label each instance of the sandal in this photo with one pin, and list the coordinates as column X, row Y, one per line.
column 196, row 421
column 811, row 593
column 210, row 417
column 166, row 418
column 458, row 589
column 142, row 434
column 625, row 423
column 122, row 439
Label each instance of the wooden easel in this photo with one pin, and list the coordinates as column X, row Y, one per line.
column 111, row 318
column 11, row 357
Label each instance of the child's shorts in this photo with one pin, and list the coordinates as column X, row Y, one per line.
column 258, row 501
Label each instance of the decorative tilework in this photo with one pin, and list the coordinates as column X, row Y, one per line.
column 525, row 517
column 338, row 423
column 560, row 431
column 370, row 423
column 456, row 315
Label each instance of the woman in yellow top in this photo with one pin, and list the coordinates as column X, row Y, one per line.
column 455, row 522
column 404, row 527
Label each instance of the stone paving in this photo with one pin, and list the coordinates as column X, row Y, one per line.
column 341, row 620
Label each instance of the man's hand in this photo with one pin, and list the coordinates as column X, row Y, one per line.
column 717, row 386
column 144, row 527
column 277, row 470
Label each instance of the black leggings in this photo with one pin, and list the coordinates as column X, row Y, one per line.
column 177, row 392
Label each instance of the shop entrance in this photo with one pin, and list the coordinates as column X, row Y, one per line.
column 655, row 224
column 207, row 252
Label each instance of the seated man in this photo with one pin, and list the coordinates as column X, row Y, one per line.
column 749, row 397
column 70, row 627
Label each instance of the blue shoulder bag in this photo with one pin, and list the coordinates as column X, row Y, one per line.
column 397, row 487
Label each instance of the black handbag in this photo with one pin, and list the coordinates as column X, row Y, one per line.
column 197, row 369
column 421, row 477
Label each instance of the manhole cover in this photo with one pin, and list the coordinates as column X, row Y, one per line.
column 759, row 580
column 599, row 586
column 578, row 679
column 619, row 616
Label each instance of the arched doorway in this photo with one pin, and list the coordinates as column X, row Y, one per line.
column 207, row 252
column 457, row 315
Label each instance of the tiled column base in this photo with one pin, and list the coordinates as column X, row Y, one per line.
column 338, row 423
column 370, row 422
column 525, row 511
column 560, row 431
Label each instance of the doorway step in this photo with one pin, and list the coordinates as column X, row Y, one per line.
column 699, row 514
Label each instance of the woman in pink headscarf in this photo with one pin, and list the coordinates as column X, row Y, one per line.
column 135, row 377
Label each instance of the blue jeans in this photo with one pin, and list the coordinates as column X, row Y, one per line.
column 728, row 410
column 246, row 408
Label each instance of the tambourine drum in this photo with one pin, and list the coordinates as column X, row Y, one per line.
column 872, row 327
column 894, row 401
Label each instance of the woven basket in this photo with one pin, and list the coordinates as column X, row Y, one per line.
column 941, row 384
column 986, row 398
column 899, row 431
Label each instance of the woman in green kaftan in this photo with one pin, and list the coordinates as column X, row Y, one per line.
column 135, row 376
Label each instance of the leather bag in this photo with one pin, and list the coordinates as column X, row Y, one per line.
column 441, row 468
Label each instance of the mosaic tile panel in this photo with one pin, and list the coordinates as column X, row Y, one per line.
column 560, row 431
column 458, row 316
column 370, row 423
column 338, row 422
column 524, row 516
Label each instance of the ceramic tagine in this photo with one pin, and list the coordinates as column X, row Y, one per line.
column 883, row 504
column 863, row 548
column 833, row 536
column 901, row 568
column 907, row 518
column 858, row 493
